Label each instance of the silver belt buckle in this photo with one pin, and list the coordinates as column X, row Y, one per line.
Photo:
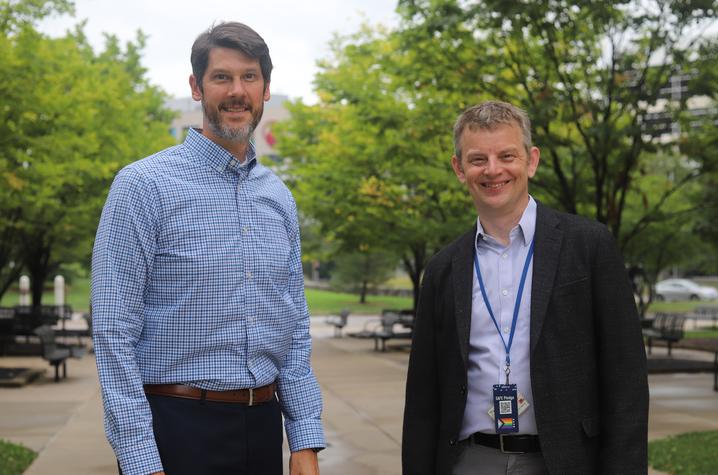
column 501, row 446
column 251, row 396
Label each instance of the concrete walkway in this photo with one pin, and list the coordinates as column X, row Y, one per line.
column 363, row 394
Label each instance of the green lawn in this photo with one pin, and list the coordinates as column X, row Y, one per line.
column 694, row 453
column 78, row 296
column 324, row 302
column 321, row 302
column 701, row 334
column 679, row 307
column 14, row 459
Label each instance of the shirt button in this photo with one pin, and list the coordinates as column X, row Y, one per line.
column 504, row 292
column 249, row 276
column 245, row 229
column 250, row 320
column 504, row 256
column 506, row 329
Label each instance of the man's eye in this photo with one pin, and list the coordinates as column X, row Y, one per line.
column 508, row 157
column 220, row 77
column 250, row 77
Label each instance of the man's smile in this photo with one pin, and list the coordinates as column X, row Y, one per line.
column 494, row 186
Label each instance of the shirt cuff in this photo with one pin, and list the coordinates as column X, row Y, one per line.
column 139, row 460
column 304, row 434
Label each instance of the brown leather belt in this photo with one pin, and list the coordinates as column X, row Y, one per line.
column 250, row 397
column 508, row 444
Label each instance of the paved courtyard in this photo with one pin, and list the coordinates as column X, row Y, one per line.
column 363, row 394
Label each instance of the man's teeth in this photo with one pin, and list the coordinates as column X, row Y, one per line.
column 494, row 185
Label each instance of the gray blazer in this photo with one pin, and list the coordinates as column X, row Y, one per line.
column 588, row 364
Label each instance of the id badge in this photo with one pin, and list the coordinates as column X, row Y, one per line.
column 506, row 408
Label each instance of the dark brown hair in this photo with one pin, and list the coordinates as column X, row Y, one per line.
column 232, row 35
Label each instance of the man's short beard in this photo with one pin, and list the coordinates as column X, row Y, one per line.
column 232, row 134
column 240, row 134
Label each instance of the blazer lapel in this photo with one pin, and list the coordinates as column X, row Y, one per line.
column 462, row 276
column 547, row 247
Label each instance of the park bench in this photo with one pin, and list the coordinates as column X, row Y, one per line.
column 384, row 328
column 28, row 318
column 7, row 323
column 666, row 327
column 706, row 312
column 51, row 352
column 338, row 321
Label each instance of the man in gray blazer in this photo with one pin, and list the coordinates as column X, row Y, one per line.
column 527, row 355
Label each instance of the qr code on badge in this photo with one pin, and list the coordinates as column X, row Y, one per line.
column 504, row 407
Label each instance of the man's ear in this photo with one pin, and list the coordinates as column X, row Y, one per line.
column 196, row 89
column 534, row 158
column 267, row 95
column 458, row 168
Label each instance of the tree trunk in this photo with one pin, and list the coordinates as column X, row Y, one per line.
column 414, row 266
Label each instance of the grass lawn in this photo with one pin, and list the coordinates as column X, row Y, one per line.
column 694, row 453
column 321, row 302
column 701, row 334
column 77, row 296
column 324, row 302
column 678, row 306
column 14, row 459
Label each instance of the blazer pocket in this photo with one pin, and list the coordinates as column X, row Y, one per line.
column 591, row 426
column 571, row 286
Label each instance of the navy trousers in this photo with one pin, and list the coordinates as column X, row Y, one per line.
column 216, row 438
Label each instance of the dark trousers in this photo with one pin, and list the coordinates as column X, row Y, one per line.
column 216, row 438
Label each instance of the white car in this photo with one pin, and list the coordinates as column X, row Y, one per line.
column 684, row 289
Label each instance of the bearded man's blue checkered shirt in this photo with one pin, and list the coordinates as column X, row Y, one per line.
column 197, row 279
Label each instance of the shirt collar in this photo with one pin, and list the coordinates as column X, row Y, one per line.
column 216, row 156
column 526, row 227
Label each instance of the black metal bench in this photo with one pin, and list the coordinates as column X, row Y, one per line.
column 28, row 317
column 389, row 320
column 706, row 312
column 338, row 321
column 666, row 327
column 382, row 329
column 51, row 352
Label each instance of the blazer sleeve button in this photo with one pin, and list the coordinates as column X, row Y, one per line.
column 463, row 389
column 452, row 442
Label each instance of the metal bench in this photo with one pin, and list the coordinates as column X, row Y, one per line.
column 666, row 327
column 382, row 329
column 338, row 321
column 54, row 355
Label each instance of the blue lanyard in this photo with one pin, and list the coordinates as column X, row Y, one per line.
column 516, row 305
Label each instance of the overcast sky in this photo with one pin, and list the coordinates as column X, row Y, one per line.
column 297, row 32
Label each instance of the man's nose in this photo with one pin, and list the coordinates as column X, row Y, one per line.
column 237, row 88
column 492, row 166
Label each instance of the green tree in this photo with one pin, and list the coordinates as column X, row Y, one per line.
column 69, row 119
column 362, row 271
column 370, row 158
column 371, row 162
column 588, row 73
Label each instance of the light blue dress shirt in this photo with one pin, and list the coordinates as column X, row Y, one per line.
column 197, row 279
column 501, row 268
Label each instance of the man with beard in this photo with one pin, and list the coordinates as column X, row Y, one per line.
column 200, row 323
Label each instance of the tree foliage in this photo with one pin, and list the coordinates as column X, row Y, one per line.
column 587, row 72
column 69, row 119
column 370, row 162
column 594, row 77
column 361, row 272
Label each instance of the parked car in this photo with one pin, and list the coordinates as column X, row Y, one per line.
column 684, row 289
